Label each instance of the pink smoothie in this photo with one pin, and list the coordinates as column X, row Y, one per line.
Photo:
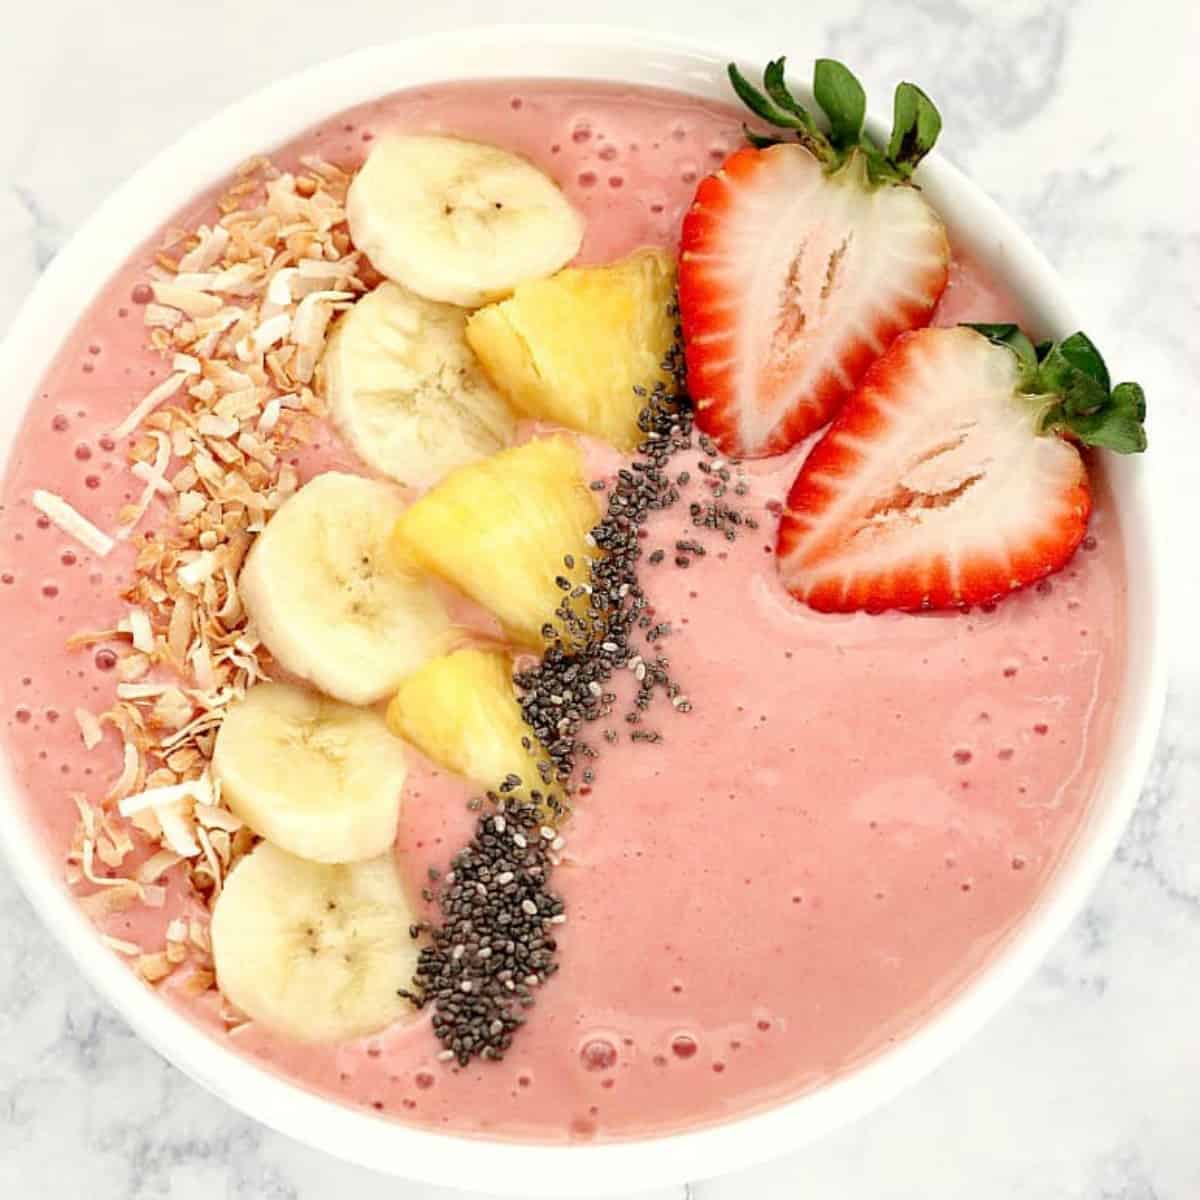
column 855, row 815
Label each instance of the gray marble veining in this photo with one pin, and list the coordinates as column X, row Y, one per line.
column 1076, row 116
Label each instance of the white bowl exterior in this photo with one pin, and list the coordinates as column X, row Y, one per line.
column 272, row 116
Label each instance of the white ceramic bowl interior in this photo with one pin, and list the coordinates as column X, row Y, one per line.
column 265, row 120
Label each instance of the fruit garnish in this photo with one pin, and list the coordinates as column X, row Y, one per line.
column 459, row 221
column 800, row 261
column 951, row 476
column 313, row 951
column 319, row 778
column 511, row 532
column 332, row 599
column 406, row 390
column 585, row 347
column 461, row 711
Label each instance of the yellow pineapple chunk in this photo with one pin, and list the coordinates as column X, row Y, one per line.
column 508, row 531
column 572, row 348
column 461, row 711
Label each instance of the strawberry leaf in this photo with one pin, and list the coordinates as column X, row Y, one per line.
column 1070, row 383
column 844, row 103
column 916, row 124
column 1115, row 424
column 1076, row 354
column 764, row 106
column 842, row 99
column 777, row 106
column 1013, row 338
column 777, row 89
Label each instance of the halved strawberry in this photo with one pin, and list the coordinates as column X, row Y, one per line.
column 801, row 261
column 943, row 482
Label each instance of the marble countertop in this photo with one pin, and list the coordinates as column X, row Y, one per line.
column 1078, row 116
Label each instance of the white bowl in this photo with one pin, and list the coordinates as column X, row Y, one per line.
column 274, row 115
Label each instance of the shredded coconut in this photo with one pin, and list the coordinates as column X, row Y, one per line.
column 241, row 310
column 72, row 523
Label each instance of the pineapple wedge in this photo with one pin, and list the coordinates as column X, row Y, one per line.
column 461, row 711
column 502, row 530
column 572, row 348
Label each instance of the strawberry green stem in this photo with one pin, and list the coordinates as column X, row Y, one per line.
column 839, row 94
column 1070, row 384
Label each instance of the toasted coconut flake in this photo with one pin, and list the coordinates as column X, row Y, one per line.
column 129, row 949
column 198, row 982
column 177, row 829
column 131, row 667
column 190, row 790
column 127, row 780
column 196, row 570
column 118, row 896
column 89, row 728
column 157, row 865
column 159, row 316
column 72, row 523
column 202, row 666
column 141, row 631
column 154, row 968
column 172, row 710
column 212, row 817
column 189, row 300
column 269, row 333
column 156, row 482
column 211, row 425
column 159, row 395
column 190, row 505
column 280, row 289
column 179, row 631
column 210, row 245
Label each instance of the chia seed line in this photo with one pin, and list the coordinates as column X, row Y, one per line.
column 494, row 943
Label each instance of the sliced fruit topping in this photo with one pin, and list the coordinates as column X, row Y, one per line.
column 407, row 391
column 319, row 778
column 801, row 261
column 942, row 482
column 511, row 532
column 313, row 951
column 459, row 221
column 332, row 599
column 461, row 711
column 586, row 347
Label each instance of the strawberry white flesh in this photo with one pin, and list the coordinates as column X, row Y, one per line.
column 932, row 489
column 791, row 281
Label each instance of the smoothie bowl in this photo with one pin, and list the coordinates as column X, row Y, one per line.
column 559, row 641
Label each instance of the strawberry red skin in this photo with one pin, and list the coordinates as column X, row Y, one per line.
column 980, row 580
column 705, row 307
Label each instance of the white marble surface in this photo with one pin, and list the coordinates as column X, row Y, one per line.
column 1079, row 116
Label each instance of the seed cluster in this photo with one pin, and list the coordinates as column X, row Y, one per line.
column 494, row 943
column 572, row 684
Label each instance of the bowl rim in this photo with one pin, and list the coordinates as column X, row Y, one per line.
column 269, row 117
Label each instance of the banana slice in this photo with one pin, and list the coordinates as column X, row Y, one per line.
column 319, row 778
column 459, row 221
column 312, row 951
column 331, row 597
column 407, row 391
